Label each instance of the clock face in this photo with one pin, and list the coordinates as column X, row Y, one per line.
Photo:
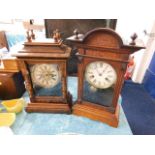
column 100, row 74
column 45, row 75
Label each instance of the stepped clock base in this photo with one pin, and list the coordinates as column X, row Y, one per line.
column 51, row 107
column 48, row 107
column 109, row 118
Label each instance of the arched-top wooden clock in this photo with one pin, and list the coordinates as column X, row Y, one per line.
column 43, row 65
column 102, row 63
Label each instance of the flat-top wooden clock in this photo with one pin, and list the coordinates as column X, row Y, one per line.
column 43, row 65
column 102, row 63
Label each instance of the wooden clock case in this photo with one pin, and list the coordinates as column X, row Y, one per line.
column 45, row 52
column 105, row 45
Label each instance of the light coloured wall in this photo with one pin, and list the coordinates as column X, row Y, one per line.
column 145, row 60
column 126, row 27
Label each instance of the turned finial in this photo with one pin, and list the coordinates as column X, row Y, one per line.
column 133, row 37
column 76, row 32
column 28, row 37
column 56, row 35
column 32, row 34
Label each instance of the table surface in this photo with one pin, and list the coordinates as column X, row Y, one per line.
column 60, row 124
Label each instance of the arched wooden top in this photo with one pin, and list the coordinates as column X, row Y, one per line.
column 103, row 37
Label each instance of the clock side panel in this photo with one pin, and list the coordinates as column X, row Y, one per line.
column 121, row 68
column 27, row 79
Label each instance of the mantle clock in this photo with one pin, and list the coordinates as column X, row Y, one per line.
column 43, row 65
column 102, row 62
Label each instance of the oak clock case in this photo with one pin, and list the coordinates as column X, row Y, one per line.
column 99, row 82
column 43, row 65
column 102, row 61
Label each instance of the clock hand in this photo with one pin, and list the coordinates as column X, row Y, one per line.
column 104, row 69
column 53, row 78
column 97, row 71
column 50, row 74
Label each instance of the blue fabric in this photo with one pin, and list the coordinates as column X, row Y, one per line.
column 55, row 91
column 100, row 96
column 139, row 108
column 149, row 78
column 152, row 64
column 149, row 82
column 49, row 124
column 14, row 39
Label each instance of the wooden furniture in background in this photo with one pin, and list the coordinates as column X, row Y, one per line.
column 11, row 64
column 11, row 84
column 11, row 80
column 67, row 26
column 3, row 40
column 104, row 48
column 43, row 65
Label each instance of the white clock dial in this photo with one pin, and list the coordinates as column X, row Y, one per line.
column 100, row 74
column 45, row 75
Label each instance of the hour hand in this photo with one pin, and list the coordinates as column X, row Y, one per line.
column 53, row 75
column 104, row 69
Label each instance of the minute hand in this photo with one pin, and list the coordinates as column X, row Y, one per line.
column 50, row 75
column 104, row 69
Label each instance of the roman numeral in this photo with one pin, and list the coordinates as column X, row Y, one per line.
column 101, row 64
column 107, row 79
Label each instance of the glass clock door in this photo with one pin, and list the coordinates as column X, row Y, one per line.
column 46, row 79
column 99, row 82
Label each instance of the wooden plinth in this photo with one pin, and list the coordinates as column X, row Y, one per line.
column 51, row 107
column 48, row 107
column 111, row 119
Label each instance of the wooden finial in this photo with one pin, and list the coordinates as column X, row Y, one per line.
column 32, row 34
column 56, row 35
column 76, row 32
column 31, row 21
column 133, row 37
column 28, row 36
